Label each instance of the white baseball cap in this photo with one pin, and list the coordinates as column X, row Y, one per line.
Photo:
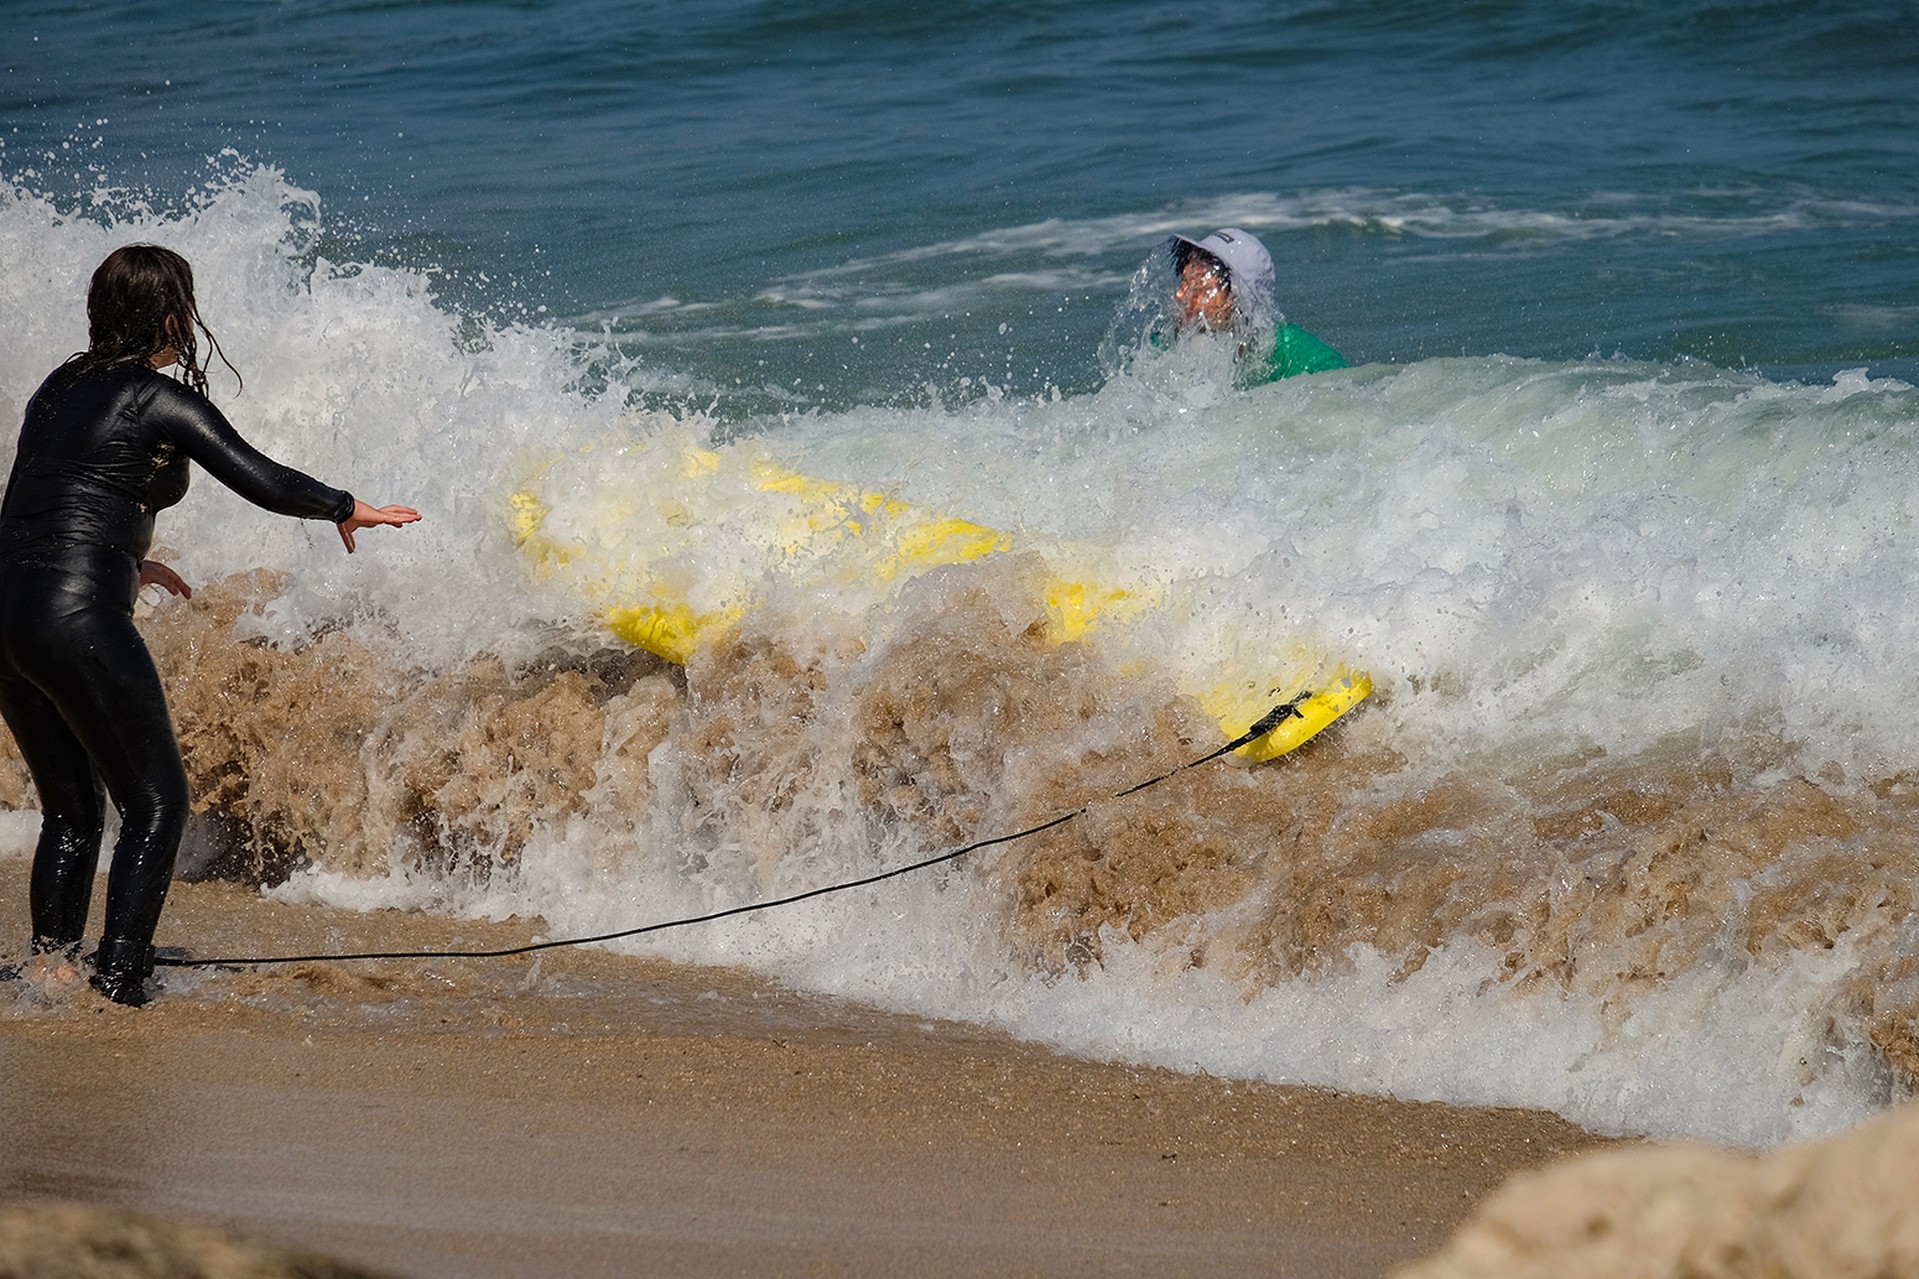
column 1249, row 267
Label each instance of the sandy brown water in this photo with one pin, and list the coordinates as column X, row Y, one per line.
column 771, row 762
column 598, row 1114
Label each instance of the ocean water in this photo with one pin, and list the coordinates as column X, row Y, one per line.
column 1615, row 506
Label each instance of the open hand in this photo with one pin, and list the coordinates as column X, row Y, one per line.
column 365, row 516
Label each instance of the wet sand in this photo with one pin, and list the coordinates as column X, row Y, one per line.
column 593, row 1114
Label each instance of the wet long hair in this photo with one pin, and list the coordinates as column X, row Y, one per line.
column 139, row 303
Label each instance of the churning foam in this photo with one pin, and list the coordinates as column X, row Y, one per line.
column 1626, row 832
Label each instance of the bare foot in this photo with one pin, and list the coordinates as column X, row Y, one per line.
column 55, row 973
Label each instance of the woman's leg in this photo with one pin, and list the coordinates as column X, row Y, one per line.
column 93, row 666
column 72, row 812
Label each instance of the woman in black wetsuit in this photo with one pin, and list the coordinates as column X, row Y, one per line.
column 105, row 445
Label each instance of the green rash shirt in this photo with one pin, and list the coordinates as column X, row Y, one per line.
column 1296, row 351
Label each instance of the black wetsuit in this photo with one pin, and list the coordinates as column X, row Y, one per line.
column 99, row 456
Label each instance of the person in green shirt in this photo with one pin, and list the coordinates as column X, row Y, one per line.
column 1225, row 285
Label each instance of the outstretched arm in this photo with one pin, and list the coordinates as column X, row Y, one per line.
column 209, row 439
column 203, row 433
column 365, row 516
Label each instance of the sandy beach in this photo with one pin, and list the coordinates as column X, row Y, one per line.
column 594, row 1114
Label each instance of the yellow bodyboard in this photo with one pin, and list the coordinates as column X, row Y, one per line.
column 1318, row 699
column 882, row 538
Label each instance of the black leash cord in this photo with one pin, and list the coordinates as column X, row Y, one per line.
column 1271, row 720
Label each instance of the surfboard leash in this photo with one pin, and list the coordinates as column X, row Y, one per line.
column 1286, row 710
